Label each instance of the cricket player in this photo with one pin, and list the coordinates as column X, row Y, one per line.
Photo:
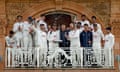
column 86, row 40
column 97, row 37
column 65, row 43
column 18, row 29
column 53, row 40
column 41, row 45
column 12, row 44
column 74, row 43
column 108, row 47
column 27, row 40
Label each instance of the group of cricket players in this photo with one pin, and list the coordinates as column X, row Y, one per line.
column 43, row 40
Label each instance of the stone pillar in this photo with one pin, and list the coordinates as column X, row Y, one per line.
column 2, row 31
column 115, row 17
column 115, row 23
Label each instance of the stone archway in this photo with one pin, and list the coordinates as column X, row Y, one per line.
column 60, row 5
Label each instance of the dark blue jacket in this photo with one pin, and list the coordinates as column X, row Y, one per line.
column 85, row 37
column 65, row 42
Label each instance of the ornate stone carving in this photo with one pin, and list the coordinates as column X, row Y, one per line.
column 102, row 9
column 2, row 27
column 18, row 7
column 116, row 27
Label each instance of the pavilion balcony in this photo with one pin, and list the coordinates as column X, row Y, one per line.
column 59, row 58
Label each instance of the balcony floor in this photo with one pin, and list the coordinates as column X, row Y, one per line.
column 59, row 70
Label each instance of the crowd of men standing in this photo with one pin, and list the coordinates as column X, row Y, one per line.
column 46, row 38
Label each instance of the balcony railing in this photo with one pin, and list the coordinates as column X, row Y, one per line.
column 59, row 58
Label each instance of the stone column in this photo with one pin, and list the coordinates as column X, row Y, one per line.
column 2, row 32
column 115, row 23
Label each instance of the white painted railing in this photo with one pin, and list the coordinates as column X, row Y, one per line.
column 61, row 57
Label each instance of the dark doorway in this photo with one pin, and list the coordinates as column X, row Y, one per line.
column 58, row 19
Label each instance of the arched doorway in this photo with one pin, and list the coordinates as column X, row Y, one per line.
column 59, row 18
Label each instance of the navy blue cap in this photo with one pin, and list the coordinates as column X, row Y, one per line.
column 79, row 23
column 108, row 28
column 94, row 25
column 30, row 18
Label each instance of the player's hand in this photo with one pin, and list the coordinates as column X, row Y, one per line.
column 30, row 30
column 18, row 46
column 54, row 41
column 11, row 46
column 67, row 36
column 89, row 42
